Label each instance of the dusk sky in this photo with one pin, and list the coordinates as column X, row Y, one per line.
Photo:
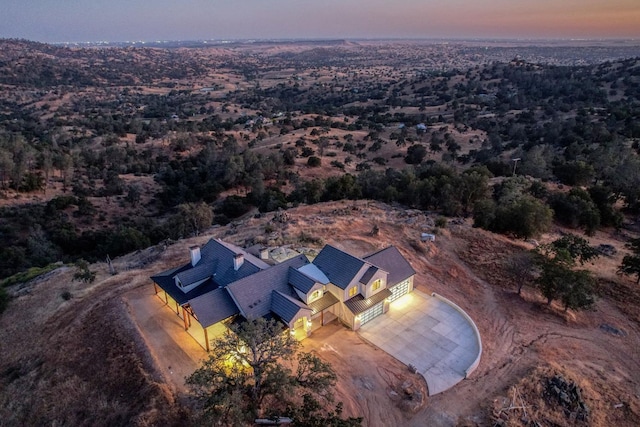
column 132, row 20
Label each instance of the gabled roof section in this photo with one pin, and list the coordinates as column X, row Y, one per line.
column 366, row 277
column 247, row 255
column 196, row 274
column 213, row 307
column 166, row 282
column 252, row 294
column 286, row 307
column 391, row 260
column 217, row 262
column 358, row 304
column 339, row 267
column 300, row 281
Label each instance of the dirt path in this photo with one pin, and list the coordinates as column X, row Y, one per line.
column 175, row 353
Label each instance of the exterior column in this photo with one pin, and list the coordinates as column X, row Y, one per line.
column 184, row 317
column 206, row 340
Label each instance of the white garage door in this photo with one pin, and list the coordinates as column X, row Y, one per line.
column 371, row 313
column 398, row 290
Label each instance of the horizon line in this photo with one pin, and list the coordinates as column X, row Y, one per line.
column 333, row 39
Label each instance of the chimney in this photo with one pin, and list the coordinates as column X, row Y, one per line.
column 238, row 259
column 195, row 255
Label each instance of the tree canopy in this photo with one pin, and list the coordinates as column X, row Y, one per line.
column 252, row 372
column 630, row 265
column 557, row 278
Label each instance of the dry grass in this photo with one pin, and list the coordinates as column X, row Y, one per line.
column 80, row 360
column 532, row 401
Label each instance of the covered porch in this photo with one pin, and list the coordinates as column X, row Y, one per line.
column 324, row 310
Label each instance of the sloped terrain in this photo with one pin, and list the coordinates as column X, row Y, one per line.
column 71, row 353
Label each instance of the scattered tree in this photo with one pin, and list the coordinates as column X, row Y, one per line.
column 630, row 265
column 415, row 154
column 133, row 194
column 251, row 373
column 576, row 248
column 519, row 268
column 558, row 280
column 195, row 217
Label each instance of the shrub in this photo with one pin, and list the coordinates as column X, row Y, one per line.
column 314, row 161
column 83, row 273
column 305, row 238
column 337, row 164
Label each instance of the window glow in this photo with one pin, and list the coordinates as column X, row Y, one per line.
column 315, row 295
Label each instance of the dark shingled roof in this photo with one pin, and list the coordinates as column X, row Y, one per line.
column 340, row 267
column 247, row 255
column 391, row 260
column 219, row 255
column 195, row 274
column 253, row 294
column 368, row 275
column 213, row 307
column 166, row 282
column 286, row 307
column 327, row 300
column 300, row 281
column 215, row 257
column 358, row 304
column 216, row 265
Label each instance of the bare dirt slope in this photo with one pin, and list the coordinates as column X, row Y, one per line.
column 84, row 359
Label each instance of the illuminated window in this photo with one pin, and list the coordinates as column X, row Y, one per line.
column 315, row 295
column 353, row 291
column 376, row 285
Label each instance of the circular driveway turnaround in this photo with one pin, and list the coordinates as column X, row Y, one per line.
column 429, row 333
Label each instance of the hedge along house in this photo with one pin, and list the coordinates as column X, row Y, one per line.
column 223, row 283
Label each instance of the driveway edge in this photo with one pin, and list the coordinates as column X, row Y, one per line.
column 476, row 362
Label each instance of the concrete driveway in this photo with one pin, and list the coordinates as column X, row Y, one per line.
column 430, row 333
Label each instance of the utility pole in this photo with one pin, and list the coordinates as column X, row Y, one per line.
column 515, row 162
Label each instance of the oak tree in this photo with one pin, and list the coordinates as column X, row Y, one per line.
column 251, row 372
column 630, row 265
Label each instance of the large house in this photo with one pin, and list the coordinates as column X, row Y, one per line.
column 223, row 283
